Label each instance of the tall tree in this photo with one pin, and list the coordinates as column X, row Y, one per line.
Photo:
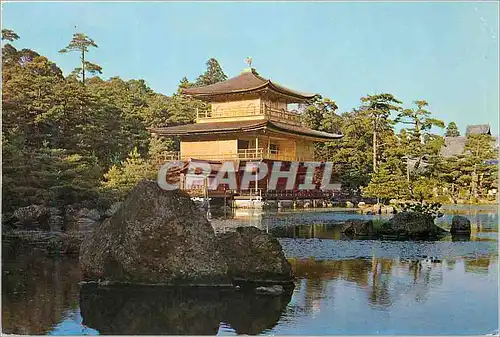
column 213, row 74
column 480, row 153
column 9, row 52
column 420, row 120
column 183, row 84
column 379, row 108
column 350, row 155
column 81, row 43
column 9, row 35
column 452, row 130
column 320, row 113
column 419, row 140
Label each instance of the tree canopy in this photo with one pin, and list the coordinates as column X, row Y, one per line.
column 64, row 142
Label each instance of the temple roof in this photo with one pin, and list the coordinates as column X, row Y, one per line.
column 242, row 126
column 248, row 81
column 480, row 129
column 453, row 146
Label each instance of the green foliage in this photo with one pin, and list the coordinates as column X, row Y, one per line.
column 433, row 209
column 9, row 35
column 213, row 74
column 379, row 108
column 59, row 137
column 351, row 155
column 320, row 114
column 119, row 180
column 48, row 176
column 387, row 183
column 452, row 130
column 81, row 43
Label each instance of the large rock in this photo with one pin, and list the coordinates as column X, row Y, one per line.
column 255, row 256
column 56, row 220
column 81, row 219
column 87, row 219
column 112, row 210
column 411, row 225
column 32, row 217
column 460, row 225
column 155, row 237
column 357, row 227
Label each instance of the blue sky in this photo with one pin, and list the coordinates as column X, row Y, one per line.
column 445, row 53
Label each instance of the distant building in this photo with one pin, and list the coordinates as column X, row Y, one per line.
column 480, row 129
column 454, row 146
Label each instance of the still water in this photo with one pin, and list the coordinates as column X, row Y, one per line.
column 347, row 287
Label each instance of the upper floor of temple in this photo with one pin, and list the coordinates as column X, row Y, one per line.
column 248, row 96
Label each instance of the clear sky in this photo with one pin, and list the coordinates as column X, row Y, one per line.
column 445, row 53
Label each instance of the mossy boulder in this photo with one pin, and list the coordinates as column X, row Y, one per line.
column 252, row 255
column 357, row 227
column 155, row 237
column 411, row 225
column 460, row 225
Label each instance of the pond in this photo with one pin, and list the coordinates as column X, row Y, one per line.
column 346, row 287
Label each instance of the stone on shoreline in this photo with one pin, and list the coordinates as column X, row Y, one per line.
column 411, row 225
column 460, row 225
column 357, row 227
column 32, row 217
column 255, row 256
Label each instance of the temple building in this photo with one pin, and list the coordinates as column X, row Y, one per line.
column 248, row 119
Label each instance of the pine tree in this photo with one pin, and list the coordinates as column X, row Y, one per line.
column 119, row 180
column 452, row 130
column 81, row 43
column 9, row 35
column 379, row 108
column 212, row 75
column 387, row 183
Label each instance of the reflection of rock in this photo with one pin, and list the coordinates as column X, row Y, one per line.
column 155, row 237
column 460, row 225
column 253, row 255
column 357, row 227
column 177, row 311
column 458, row 237
column 51, row 242
column 250, row 314
column 411, row 225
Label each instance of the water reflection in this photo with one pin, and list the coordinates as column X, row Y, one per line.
column 37, row 291
column 384, row 281
column 343, row 287
column 479, row 265
column 167, row 311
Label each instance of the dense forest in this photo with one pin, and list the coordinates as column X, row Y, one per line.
column 80, row 139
